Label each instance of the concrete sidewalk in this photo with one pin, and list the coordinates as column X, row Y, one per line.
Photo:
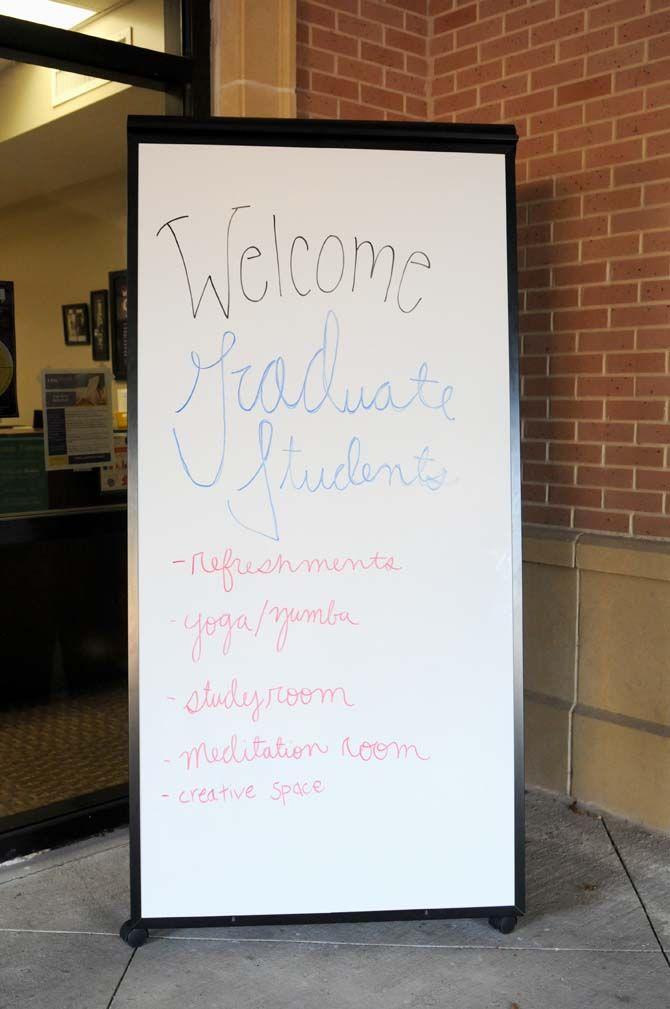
column 597, row 934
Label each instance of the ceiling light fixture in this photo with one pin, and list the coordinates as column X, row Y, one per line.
column 46, row 12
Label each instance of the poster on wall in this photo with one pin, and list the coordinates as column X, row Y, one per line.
column 324, row 522
column 114, row 477
column 8, row 401
column 77, row 409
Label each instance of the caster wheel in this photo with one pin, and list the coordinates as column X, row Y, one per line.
column 505, row 924
column 133, row 935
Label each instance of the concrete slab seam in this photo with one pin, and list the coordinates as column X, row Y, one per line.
column 637, row 893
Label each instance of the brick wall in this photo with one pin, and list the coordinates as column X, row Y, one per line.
column 587, row 83
column 363, row 59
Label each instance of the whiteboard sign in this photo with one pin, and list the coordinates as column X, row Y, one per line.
column 325, row 667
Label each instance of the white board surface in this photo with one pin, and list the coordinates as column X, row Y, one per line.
column 324, row 531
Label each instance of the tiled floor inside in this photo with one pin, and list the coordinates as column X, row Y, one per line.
column 597, row 934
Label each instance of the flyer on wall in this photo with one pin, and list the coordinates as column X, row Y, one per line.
column 77, row 408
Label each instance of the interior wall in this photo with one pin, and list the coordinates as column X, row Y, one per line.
column 57, row 248
column 26, row 90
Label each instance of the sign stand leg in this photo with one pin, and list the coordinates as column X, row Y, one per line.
column 133, row 933
column 506, row 924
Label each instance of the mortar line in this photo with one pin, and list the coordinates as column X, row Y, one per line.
column 575, row 673
column 351, row 942
column 637, row 893
column 120, row 981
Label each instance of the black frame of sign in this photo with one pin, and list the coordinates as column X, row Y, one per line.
column 445, row 137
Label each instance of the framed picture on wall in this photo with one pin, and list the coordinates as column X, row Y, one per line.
column 100, row 325
column 75, row 324
column 118, row 303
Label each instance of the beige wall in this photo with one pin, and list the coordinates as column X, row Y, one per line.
column 597, row 670
column 57, row 248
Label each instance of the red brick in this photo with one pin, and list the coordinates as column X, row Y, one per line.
column 658, row 241
column 381, row 98
column 632, row 455
column 316, row 14
column 576, row 409
column 533, row 492
column 507, row 88
column 479, row 32
column 644, row 28
column 601, row 520
column 614, row 154
column 546, row 515
column 479, row 73
column 586, row 42
column 534, row 451
column 556, row 119
column 555, row 210
column 643, row 315
column 339, row 87
column 529, row 59
column 549, row 386
column 605, row 386
column 608, row 108
column 585, row 497
column 584, row 136
column 354, row 110
column 360, row 28
column 580, row 273
column 650, row 525
column 406, row 83
column 575, row 364
column 533, row 365
column 383, row 56
column 315, row 59
column 635, row 409
column 621, row 245
column 557, row 28
column 557, row 73
column 586, row 318
column 603, row 476
column 657, row 266
column 383, row 12
column 653, row 434
column 652, row 479
column 610, row 294
column 539, row 255
column 553, row 297
column 334, row 43
column 619, row 10
column 641, row 220
column 529, row 103
column 592, row 87
column 605, row 432
column 635, row 364
column 607, row 339
column 657, row 385
column 615, row 58
column 359, row 70
column 586, row 227
column 617, row 199
column 545, row 472
column 584, row 182
column 643, row 171
column 403, row 40
column 548, row 342
column 550, row 430
column 633, row 500
column 455, row 19
column 652, row 339
column 657, row 192
column 563, row 452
